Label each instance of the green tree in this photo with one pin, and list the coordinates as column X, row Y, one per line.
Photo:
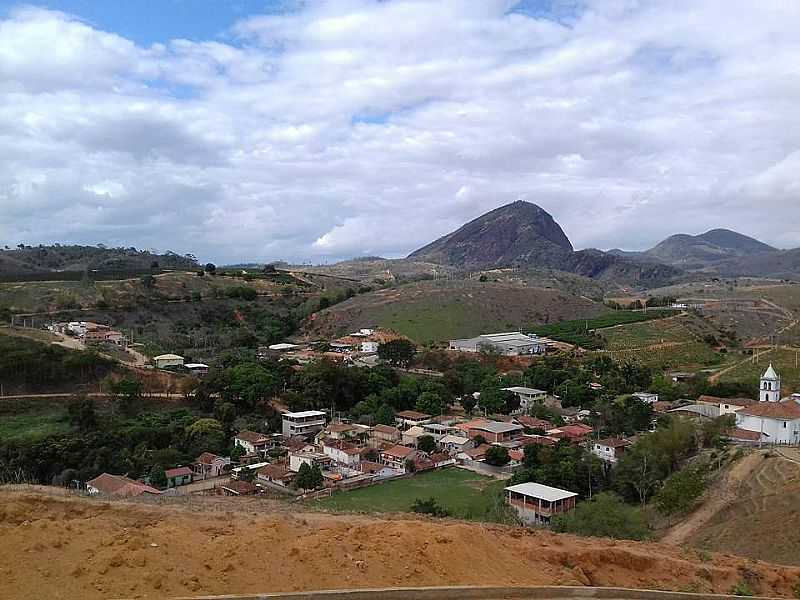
column 426, row 443
column 605, row 515
column 129, row 393
column 384, row 415
column 429, row 507
column 82, row 414
column 247, row 474
column 430, row 403
column 497, row 456
column 468, row 403
column 309, row 477
column 681, row 491
column 211, row 268
column 158, row 477
column 399, row 352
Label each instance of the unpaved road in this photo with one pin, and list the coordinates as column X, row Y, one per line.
column 67, row 548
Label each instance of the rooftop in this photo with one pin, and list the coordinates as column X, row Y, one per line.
column 304, row 414
column 412, row 415
column 538, row 490
column 497, row 427
column 524, row 390
column 788, row 409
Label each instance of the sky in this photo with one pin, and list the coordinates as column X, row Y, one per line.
column 317, row 130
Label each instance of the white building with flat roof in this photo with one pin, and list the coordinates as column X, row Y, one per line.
column 538, row 503
column 513, row 343
column 303, row 423
column 527, row 397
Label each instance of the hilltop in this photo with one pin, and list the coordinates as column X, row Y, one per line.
column 710, row 247
column 219, row 546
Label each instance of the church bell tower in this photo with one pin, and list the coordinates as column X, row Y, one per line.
column 770, row 390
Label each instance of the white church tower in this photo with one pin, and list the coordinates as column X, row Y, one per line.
column 770, row 390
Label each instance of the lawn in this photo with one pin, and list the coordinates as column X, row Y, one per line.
column 33, row 425
column 464, row 494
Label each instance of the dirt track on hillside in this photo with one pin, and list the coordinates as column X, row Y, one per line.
column 78, row 548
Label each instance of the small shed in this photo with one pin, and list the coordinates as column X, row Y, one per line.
column 167, row 360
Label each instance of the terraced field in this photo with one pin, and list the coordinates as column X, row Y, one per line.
column 760, row 520
column 784, row 360
column 637, row 335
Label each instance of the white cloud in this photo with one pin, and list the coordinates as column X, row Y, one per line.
column 363, row 127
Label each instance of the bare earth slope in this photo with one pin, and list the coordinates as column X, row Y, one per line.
column 77, row 548
column 756, row 510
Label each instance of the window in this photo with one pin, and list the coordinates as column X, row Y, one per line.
column 784, row 424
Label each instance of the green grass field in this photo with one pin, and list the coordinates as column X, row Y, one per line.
column 782, row 360
column 636, row 335
column 464, row 494
column 33, row 424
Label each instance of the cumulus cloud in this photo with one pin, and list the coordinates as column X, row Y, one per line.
column 348, row 127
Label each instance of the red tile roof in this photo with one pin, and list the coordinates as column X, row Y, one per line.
column 252, row 437
column 120, row 486
column 398, row 451
column 744, row 435
column 730, row 401
column 476, row 453
column 412, row 415
column 534, row 423
column 275, row 471
column 788, row 410
column 178, row 472
column 206, row 458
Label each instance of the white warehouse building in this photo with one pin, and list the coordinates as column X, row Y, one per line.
column 514, row 343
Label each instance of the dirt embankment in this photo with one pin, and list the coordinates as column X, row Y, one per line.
column 78, row 548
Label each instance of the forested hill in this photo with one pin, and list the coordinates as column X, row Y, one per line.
column 44, row 259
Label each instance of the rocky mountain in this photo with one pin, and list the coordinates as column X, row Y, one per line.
column 517, row 233
column 693, row 251
column 522, row 234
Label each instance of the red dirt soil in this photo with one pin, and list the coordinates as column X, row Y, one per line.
column 59, row 548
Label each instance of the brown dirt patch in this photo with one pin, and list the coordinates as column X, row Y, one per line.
column 80, row 548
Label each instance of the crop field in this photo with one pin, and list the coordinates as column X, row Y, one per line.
column 785, row 362
column 464, row 494
column 33, row 424
column 691, row 356
column 579, row 331
column 647, row 333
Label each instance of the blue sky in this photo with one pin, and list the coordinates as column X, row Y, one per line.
column 381, row 125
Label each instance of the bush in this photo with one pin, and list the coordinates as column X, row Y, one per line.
column 605, row 515
column 429, row 507
column 497, row 456
column 741, row 589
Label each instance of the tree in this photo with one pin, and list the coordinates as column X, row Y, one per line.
column 309, row 477
column 605, row 515
column 680, row 491
column 497, row 456
column 211, row 268
column 399, row 352
column 384, row 415
column 128, row 392
column 247, row 474
column 479, row 440
column 493, row 399
column 429, row 507
column 82, row 414
column 158, row 477
column 430, row 403
column 468, row 403
column 148, row 281
column 426, row 443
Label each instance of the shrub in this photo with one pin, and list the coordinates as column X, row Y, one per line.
column 741, row 589
column 605, row 515
column 429, row 507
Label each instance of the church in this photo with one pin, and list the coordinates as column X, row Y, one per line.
column 772, row 419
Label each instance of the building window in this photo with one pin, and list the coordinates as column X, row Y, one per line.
column 784, row 424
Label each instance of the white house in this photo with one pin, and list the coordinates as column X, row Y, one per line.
column 303, row 423
column 538, row 503
column 342, row 452
column 455, row 443
column 251, row 441
column 369, row 347
column 609, row 449
column 727, row 406
column 527, row 397
column 296, row 459
column 646, row 397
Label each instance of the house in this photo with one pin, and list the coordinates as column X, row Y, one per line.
column 410, row 418
column 436, row 430
column 238, row 488
column 775, row 422
column 609, row 449
column 210, row 465
column 297, row 445
column 646, row 397
column 378, row 470
column 275, row 473
column 537, row 440
column 167, row 360
column 338, row 431
column 384, row 434
column 236, row 473
column 513, row 343
column 496, row 431
column 527, row 397
column 297, row 459
column 440, row 459
column 197, row 369
column 534, row 423
column 455, row 443
column 538, row 504
column 252, row 442
column 396, row 456
column 727, row 406
column 303, row 423
column 179, row 476
column 369, row 347
column 343, row 453
column 119, row 486
column 474, row 454
column 575, row 433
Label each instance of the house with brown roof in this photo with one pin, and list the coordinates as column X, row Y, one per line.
column 342, row 452
column 119, row 486
column 775, row 422
column 496, row 431
column 534, row 423
column 210, row 465
column 475, row 454
column 396, row 456
column 727, row 406
column 252, row 442
column 275, row 473
column 410, row 418
column 377, row 469
column 384, row 434
column 575, row 433
column 179, row 476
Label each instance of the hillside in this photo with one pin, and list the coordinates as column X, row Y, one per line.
column 221, row 546
column 697, row 251
column 440, row 310
column 44, row 259
column 747, row 511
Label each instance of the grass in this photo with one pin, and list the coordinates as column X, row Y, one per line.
column 688, row 357
column 462, row 493
column 782, row 360
column 33, row 425
column 581, row 331
column 636, row 335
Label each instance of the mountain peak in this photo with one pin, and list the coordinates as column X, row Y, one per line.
column 516, row 233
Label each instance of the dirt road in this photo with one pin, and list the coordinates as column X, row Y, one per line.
column 66, row 548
